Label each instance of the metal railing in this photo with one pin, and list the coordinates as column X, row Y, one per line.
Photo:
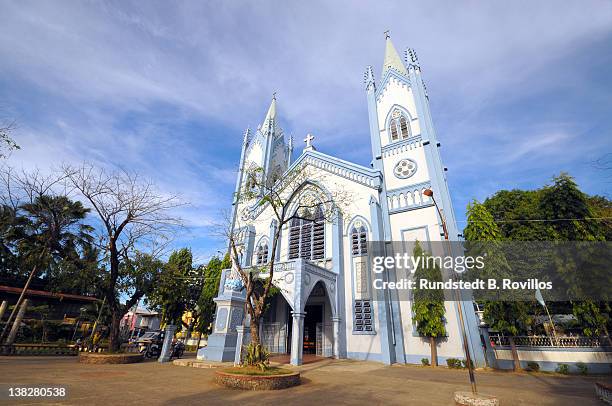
column 549, row 341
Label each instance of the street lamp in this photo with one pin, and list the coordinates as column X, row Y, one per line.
column 466, row 348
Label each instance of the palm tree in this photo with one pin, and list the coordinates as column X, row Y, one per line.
column 52, row 229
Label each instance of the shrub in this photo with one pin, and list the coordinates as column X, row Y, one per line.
column 256, row 355
column 464, row 363
column 533, row 366
column 582, row 368
column 562, row 369
column 425, row 362
column 454, row 363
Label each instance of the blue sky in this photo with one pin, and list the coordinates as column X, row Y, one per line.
column 519, row 91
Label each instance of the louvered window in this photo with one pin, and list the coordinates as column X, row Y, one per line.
column 262, row 254
column 399, row 126
column 359, row 241
column 307, row 235
column 362, row 313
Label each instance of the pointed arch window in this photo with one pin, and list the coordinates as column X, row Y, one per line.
column 359, row 240
column 262, row 253
column 307, row 234
column 399, row 126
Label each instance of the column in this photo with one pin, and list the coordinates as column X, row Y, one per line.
column 297, row 338
column 336, row 321
column 167, row 346
column 3, row 308
column 239, row 339
column 17, row 323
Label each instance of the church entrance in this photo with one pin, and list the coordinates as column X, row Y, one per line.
column 312, row 326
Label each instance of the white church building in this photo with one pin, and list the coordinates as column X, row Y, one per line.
column 327, row 305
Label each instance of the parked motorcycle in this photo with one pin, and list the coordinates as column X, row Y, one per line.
column 178, row 349
column 150, row 344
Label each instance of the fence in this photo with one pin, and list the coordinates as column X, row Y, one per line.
column 550, row 341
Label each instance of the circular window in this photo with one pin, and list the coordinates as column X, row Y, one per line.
column 405, row 168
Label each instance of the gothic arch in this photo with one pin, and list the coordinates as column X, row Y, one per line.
column 331, row 296
column 389, row 117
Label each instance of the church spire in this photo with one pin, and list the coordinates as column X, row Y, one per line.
column 392, row 58
column 270, row 119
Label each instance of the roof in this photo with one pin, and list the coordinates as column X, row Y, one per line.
column 392, row 60
column 44, row 293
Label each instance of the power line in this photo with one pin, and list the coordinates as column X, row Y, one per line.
column 537, row 220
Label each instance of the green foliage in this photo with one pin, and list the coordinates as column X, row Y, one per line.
column 454, row 363
column 510, row 318
column 425, row 362
column 593, row 317
column 170, row 292
column 583, row 369
column 562, row 369
column 256, row 355
column 206, row 305
column 428, row 304
column 533, row 366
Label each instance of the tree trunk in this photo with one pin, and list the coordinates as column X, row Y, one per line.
column 515, row 357
column 255, row 330
column 20, row 300
column 199, row 339
column 434, row 351
column 114, row 342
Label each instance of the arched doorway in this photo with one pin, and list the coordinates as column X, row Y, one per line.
column 318, row 328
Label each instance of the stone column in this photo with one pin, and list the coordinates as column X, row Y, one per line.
column 297, row 338
column 17, row 323
column 240, row 337
column 336, row 321
column 167, row 346
column 3, row 307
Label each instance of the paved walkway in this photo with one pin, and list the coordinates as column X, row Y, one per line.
column 326, row 382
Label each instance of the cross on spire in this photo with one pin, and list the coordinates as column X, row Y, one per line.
column 387, row 34
column 308, row 141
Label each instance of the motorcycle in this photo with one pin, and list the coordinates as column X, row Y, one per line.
column 178, row 349
column 150, row 344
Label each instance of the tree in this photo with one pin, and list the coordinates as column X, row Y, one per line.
column 6, row 142
column 593, row 317
column 509, row 318
column 565, row 203
column 52, row 227
column 276, row 197
column 483, row 236
column 428, row 304
column 134, row 217
column 206, row 305
column 171, row 291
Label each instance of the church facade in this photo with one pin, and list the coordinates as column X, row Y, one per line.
column 326, row 304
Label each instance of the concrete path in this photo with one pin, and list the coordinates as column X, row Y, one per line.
column 328, row 382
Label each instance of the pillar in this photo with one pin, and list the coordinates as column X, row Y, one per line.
column 243, row 338
column 3, row 307
column 167, row 346
column 336, row 322
column 297, row 338
column 17, row 323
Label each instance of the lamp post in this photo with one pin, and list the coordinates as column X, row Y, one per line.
column 466, row 348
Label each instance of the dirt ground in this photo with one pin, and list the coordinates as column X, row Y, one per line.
column 327, row 382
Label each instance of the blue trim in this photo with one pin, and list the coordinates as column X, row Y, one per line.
column 370, row 295
column 399, row 144
column 409, row 208
column 366, row 356
column 551, row 366
column 338, row 269
column 386, row 344
column 392, row 74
